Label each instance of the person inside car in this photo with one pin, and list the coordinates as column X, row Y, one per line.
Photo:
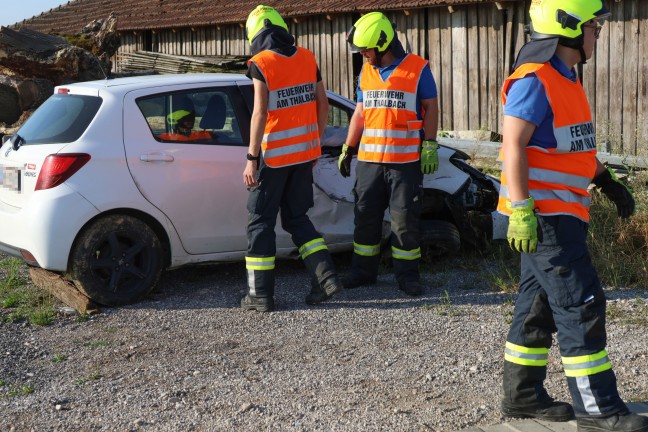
column 181, row 123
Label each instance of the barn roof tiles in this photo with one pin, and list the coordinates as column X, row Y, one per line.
column 71, row 17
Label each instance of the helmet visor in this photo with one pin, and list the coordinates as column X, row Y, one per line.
column 354, row 48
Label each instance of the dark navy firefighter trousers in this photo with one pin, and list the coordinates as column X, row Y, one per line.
column 560, row 292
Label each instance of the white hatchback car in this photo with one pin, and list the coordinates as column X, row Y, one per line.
column 91, row 190
column 95, row 186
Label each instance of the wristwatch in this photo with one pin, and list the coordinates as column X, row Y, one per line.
column 252, row 158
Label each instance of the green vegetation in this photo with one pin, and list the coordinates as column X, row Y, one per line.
column 96, row 344
column 20, row 300
column 94, row 376
column 15, row 390
column 58, row 358
column 619, row 247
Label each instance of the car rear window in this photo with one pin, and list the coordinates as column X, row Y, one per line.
column 61, row 119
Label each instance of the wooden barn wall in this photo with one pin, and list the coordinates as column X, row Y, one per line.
column 470, row 49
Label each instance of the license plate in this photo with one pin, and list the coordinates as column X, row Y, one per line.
column 11, row 178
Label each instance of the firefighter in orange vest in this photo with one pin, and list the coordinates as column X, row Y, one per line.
column 290, row 114
column 393, row 131
column 549, row 161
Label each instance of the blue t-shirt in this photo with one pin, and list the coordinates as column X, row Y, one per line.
column 426, row 87
column 527, row 100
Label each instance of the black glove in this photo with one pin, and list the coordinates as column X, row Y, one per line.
column 344, row 162
column 616, row 192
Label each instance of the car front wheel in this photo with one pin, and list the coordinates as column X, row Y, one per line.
column 116, row 260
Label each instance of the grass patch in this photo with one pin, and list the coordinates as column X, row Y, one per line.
column 96, row 344
column 619, row 247
column 58, row 358
column 19, row 300
column 94, row 376
column 17, row 390
column 445, row 307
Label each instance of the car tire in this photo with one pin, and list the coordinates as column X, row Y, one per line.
column 116, row 260
column 439, row 238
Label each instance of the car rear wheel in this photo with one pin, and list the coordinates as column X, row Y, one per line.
column 439, row 238
column 116, row 260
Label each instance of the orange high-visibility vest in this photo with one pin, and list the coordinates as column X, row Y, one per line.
column 559, row 176
column 392, row 129
column 291, row 133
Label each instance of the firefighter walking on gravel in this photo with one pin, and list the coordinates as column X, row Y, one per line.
column 290, row 114
column 549, row 156
column 395, row 124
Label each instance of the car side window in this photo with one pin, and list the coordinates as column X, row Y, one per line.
column 337, row 125
column 202, row 116
column 339, row 115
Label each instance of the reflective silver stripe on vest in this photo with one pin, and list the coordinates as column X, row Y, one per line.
column 557, row 177
column 575, row 138
column 389, row 99
column 550, row 194
column 289, row 133
column 391, row 133
column 290, row 149
column 393, row 149
column 292, row 96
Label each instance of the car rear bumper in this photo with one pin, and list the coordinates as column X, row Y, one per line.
column 46, row 227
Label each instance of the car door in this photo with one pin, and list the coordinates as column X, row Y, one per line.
column 197, row 182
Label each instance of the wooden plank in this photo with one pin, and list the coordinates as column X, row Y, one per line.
column 347, row 68
column 329, row 53
column 446, row 76
column 63, row 290
column 473, row 65
column 459, row 69
column 484, row 96
column 601, row 102
column 337, row 35
column 642, row 103
column 494, row 69
column 617, row 36
column 630, row 77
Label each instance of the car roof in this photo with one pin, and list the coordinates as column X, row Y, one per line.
column 122, row 85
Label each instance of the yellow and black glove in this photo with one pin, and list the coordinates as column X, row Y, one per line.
column 522, row 232
column 429, row 156
column 344, row 162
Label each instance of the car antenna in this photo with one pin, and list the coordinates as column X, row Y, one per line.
column 101, row 68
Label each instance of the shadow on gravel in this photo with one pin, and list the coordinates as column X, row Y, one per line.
column 222, row 286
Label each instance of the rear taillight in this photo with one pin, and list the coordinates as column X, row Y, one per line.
column 59, row 167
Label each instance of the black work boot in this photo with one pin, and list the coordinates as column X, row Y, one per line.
column 356, row 278
column 548, row 410
column 526, row 397
column 623, row 421
column 318, row 293
column 412, row 288
column 259, row 304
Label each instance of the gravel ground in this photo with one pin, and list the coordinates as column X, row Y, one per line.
column 188, row 359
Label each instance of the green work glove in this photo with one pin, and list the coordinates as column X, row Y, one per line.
column 522, row 232
column 429, row 156
column 344, row 162
column 616, row 192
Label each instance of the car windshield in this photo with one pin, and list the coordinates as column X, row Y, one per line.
column 61, row 119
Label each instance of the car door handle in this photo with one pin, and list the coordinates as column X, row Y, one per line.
column 156, row 157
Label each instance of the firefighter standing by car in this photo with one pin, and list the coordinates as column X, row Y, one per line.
column 549, row 155
column 290, row 114
column 397, row 109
